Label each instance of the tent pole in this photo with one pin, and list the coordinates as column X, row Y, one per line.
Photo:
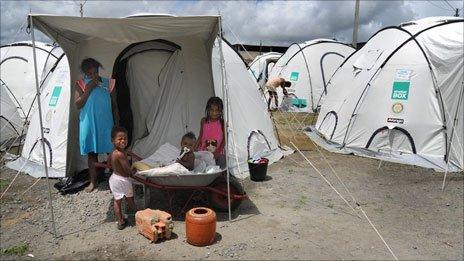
column 450, row 144
column 41, row 125
column 444, row 177
column 226, row 100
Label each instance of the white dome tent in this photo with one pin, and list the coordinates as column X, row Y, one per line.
column 400, row 98
column 308, row 66
column 18, row 86
column 163, row 78
column 55, row 100
column 262, row 65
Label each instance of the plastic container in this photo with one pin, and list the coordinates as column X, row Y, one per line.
column 258, row 170
column 200, row 226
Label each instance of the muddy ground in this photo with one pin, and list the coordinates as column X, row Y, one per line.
column 292, row 215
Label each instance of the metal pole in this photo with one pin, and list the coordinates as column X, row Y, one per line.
column 449, row 143
column 81, row 5
column 41, row 124
column 226, row 99
column 356, row 24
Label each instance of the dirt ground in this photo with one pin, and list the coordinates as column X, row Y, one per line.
column 292, row 215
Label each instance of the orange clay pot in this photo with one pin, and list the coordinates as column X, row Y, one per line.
column 200, row 226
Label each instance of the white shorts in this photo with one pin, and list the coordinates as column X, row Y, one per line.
column 120, row 186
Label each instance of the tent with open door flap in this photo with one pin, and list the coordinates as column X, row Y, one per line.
column 309, row 66
column 165, row 68
column 262, row 65
column 18, row 86
column 400, row 98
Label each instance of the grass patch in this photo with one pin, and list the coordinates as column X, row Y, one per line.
column 300, row 203
column 302, row 200
column 15, row 250
column 3, row 183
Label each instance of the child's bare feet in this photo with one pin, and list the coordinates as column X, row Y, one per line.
column 90, row 187
column 123, row 225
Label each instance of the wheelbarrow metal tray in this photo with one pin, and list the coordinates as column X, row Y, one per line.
column 187, row 180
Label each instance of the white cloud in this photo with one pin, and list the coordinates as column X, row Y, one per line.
column 269, row 22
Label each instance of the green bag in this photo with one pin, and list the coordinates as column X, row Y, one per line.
column 300, row 103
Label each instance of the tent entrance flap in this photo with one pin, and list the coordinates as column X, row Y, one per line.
column 396, row 139
column 150, row 97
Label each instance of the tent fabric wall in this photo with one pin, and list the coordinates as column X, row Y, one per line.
column 247, row 112
column 261, row 65
column 11, row 123
column 187, row 80
column 105, row 38
column 402, row 90
column 309, row 66
column 18, row 84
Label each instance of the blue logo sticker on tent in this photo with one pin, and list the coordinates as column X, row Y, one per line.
column 55, row 95
column 294, row 76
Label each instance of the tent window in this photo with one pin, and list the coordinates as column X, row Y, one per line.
column 367, row 60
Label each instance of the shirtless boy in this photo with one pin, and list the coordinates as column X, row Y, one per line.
column 272, row 86
column 120, row 183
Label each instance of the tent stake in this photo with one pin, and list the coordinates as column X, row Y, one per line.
column 444, row 179
column 41, row 125
column 226, row 101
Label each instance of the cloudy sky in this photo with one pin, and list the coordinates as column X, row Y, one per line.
column 249, row 22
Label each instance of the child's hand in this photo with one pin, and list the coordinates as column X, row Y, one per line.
column 91, row 85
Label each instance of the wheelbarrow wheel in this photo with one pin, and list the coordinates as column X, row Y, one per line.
column 218, row 201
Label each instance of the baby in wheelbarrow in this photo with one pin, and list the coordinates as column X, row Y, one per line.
column 193, row 160
column 187, row 157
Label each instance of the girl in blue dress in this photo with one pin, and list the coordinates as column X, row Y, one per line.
column 95, row 99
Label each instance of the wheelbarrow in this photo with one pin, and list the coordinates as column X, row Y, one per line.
column 213, row 184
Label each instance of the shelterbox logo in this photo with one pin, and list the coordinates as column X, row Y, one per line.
column 294, row 76
column 401, row 83
column 55, row 95
column 400, row 91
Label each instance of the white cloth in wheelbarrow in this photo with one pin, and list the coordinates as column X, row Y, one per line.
column 163, row 162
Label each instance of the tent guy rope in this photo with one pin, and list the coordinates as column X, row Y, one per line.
column 325, row 179
column 358, row 205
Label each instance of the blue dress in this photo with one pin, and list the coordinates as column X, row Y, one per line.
column 96, row 120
